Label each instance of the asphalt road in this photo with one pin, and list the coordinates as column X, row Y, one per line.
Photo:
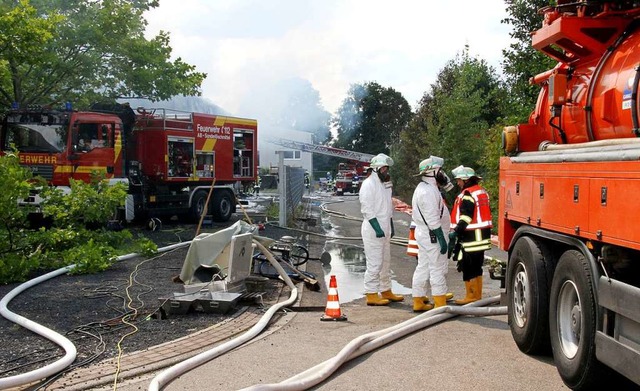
column 462, row 353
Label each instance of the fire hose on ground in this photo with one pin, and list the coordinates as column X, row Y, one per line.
column 371, row 341
column 357, row 347
column 306, row 379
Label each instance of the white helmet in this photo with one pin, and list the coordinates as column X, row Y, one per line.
column 380, row 160
column 430, row 164
column 464, row 173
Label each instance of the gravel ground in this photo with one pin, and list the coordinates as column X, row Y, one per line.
column 89, row 309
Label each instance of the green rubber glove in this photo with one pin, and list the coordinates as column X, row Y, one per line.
column 441, row 240
column 453, row 237
column 376, row 227
column 393, row 231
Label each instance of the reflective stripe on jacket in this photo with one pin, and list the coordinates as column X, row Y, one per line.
column 482, row 212
column 477, row 234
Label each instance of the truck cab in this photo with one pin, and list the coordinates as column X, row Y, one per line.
column 59, row 145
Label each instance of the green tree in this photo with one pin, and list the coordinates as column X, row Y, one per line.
column 521, row 61
column 52, row 51
column 453, row 120
column 371, row 118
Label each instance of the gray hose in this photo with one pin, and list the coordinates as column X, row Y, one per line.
column 371, row 341
column 597, row 151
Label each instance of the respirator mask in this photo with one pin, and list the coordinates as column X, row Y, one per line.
column 443, row 181
column 384, row 177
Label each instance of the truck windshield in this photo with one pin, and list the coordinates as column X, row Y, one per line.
column 36, row 138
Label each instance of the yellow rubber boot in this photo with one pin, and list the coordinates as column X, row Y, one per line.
column 448, row 295
column 391, row 296
column 478, row 295
column 471, row 292
column 440, row 301
column 425, row 299
column 419, row 305
column 375, row 299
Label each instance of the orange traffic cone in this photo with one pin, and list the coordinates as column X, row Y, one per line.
column 412, row 246
column 332, row 312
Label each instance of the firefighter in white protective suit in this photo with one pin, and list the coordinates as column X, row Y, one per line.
column 430, row 215
column 377, row 230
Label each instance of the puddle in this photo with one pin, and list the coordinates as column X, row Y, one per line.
column 348, row 265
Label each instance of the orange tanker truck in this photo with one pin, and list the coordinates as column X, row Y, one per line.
column 169, row 159
column 569, row 189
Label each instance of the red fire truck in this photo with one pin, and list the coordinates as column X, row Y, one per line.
column 568, row 198
column 169, row 159
column 349, row 177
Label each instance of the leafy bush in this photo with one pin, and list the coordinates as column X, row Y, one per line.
column 91, row 203
column 25, row 252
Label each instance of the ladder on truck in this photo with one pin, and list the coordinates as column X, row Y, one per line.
column 321, row 149
column 166, row 119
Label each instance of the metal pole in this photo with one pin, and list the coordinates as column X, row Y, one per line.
column 282, row 190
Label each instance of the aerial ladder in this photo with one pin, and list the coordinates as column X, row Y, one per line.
column 321, row 149
column 349, row 177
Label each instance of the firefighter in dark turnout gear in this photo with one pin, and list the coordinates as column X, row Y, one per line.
column 471, row 231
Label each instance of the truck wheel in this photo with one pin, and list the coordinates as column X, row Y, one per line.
column 572, row 322
column 197, row 205
column 222, row 205
column 529, row 274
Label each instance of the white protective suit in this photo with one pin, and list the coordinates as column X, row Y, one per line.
column 375, row 201
column 432, row 266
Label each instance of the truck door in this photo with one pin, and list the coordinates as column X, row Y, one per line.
column 93, row 150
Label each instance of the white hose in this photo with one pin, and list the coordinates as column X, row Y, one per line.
column 589, row 144
column 66, row 344
column 171, row 373
column 368, row 342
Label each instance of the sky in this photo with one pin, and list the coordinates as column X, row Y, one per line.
column 245, row 45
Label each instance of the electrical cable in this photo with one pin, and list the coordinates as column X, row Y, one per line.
column 133, row 313
column 88, row 360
